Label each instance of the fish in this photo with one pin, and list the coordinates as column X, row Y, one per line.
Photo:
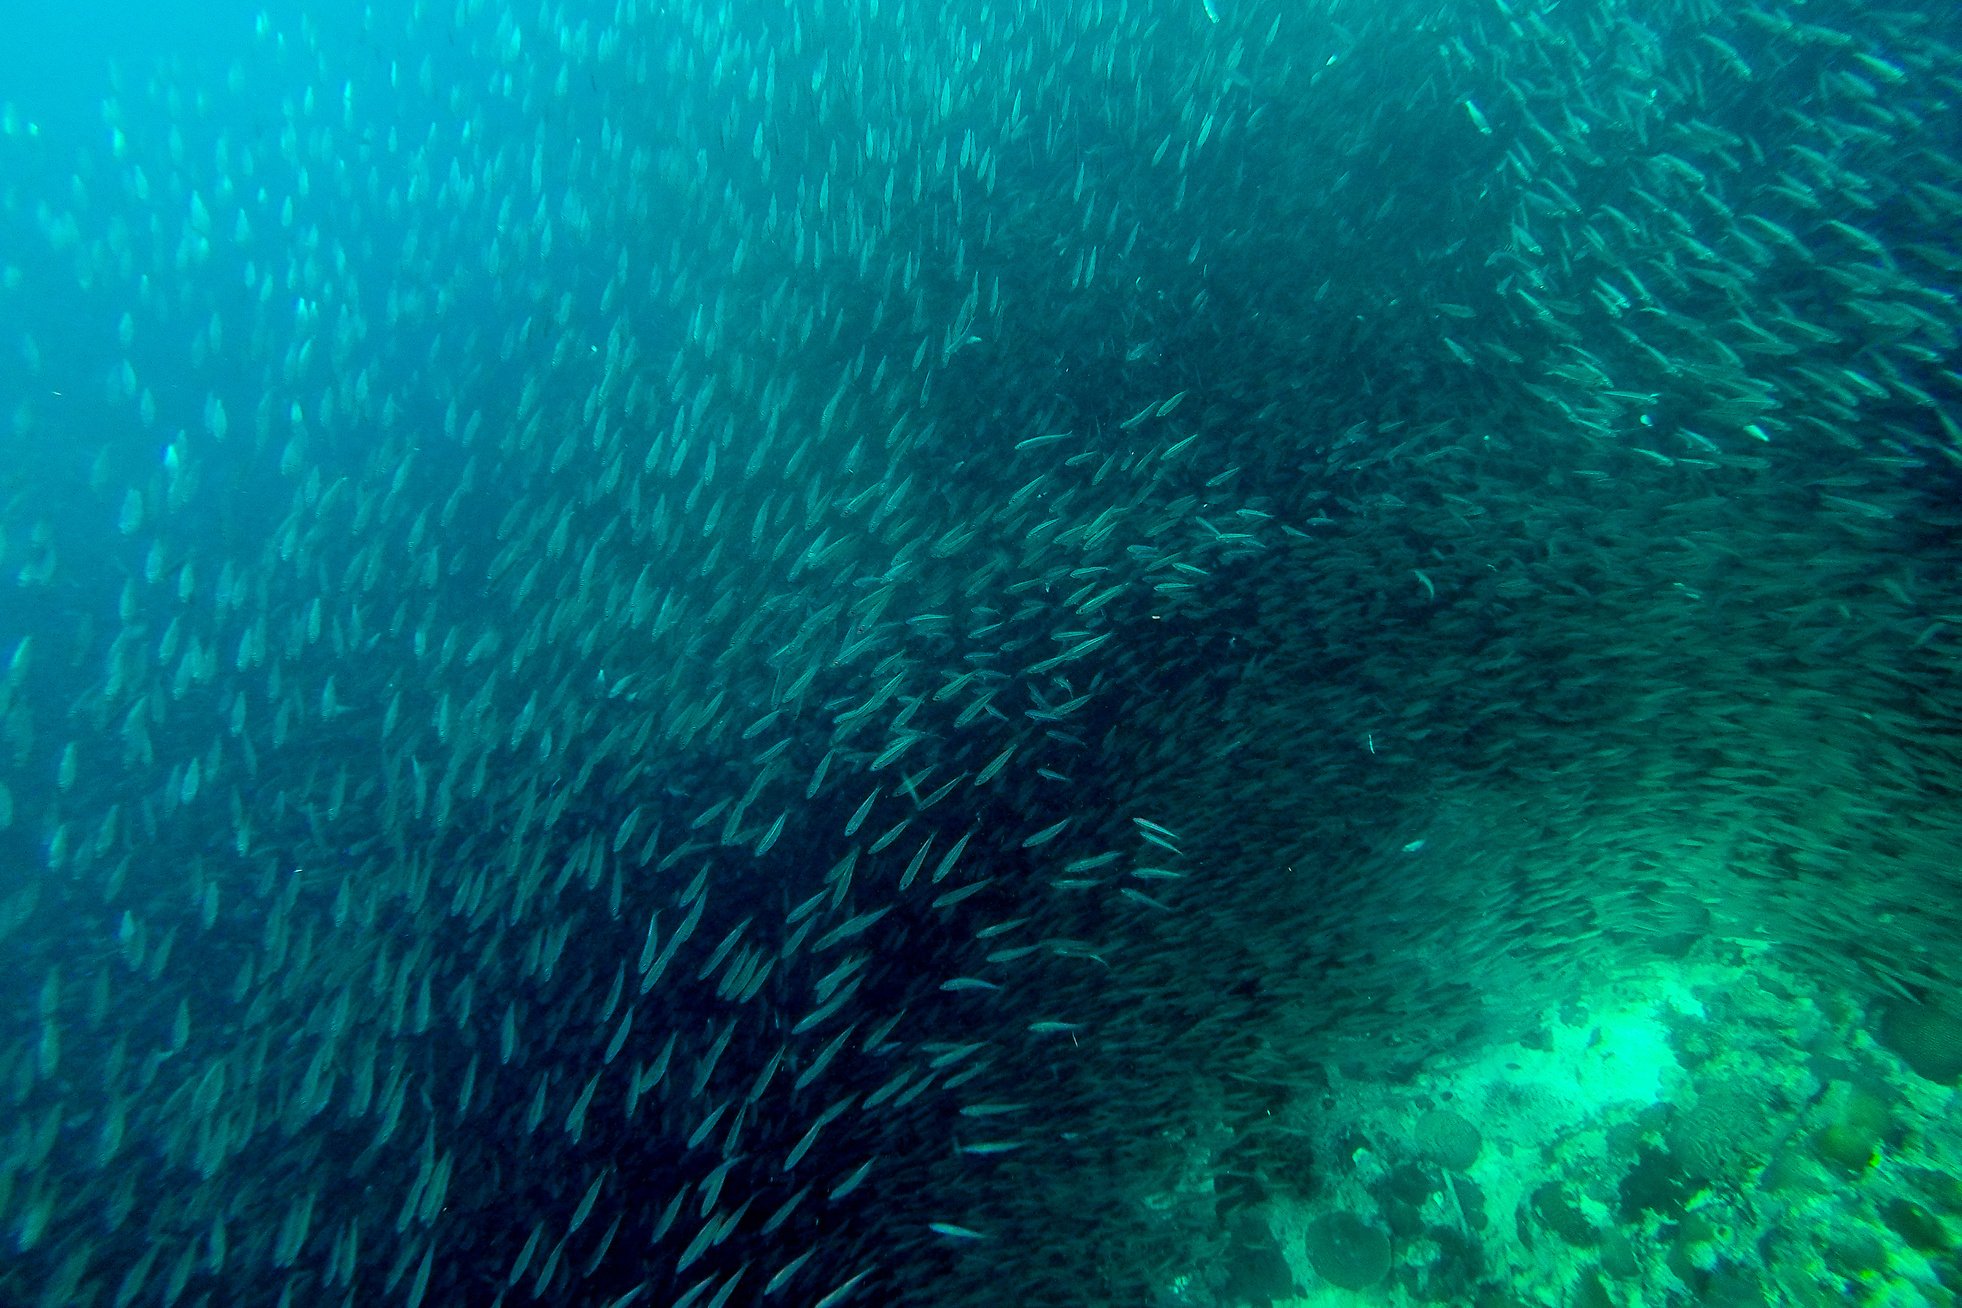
column 955, row 1231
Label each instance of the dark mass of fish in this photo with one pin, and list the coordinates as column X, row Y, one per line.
column 691, row 654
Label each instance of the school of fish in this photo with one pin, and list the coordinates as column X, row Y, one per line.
column 696, row 654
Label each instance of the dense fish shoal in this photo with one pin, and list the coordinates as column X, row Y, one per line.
column 832, row 654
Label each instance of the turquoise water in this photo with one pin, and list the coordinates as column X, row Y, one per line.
column 1125, row 653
